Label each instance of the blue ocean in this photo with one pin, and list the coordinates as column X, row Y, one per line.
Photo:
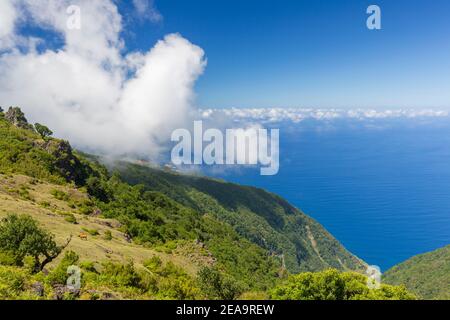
column 381, row 187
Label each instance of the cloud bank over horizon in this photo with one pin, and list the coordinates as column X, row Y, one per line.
column 298, row 115
column 91, row 90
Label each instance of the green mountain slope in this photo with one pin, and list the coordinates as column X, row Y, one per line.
column 251, row 237
column 427, row 275
column 261, row 217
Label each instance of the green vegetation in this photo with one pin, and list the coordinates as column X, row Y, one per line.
column 108, row 280
column 69, row 217
column 334, row 285
column 260, row 217
column 427, row 275
column 43, row 130
column 143, row 233
column 108, row 235
column 20, row 236
column 217, row 285
column 92, row 232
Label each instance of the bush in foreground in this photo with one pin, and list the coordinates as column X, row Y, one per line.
column 334, row 285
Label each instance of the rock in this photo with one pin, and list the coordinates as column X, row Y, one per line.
column 108, row 296
column 199, row 243
column 96, row 212
column 60, row 291
column 38, row 288
column 127, row 238
column 17, row 118
column 109, row 223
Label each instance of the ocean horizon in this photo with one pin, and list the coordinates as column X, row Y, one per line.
column 381, row 186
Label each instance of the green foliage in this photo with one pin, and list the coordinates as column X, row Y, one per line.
column 7, row 258
column 12, row 282
column 59, row 274
column 263, row 218
column 334, row 285
column 23, row 151
column 96, row 188
column 22, row 192
column 43, row 130
column 122, row 275
column 60, row 195
column 168, row 281
column 149, row 216
column 108, row 235
column 92, row 232
column 217, row 285
column 21, row 236
column 427, row 275
column 69, row 217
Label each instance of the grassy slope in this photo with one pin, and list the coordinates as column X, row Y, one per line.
column 426, row 274
column 51, row 212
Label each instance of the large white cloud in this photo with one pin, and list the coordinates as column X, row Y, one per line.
column 7, row 17
column 89, row 91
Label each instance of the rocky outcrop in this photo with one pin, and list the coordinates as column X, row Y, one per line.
column 15, row 116
column 68, row 165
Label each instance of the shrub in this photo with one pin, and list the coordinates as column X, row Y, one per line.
column 122, row 275
column 92, row 232
column 108, row 235
column 70, row 218
column 216, row 285
column 334, row 285
column 59, row 274
column 12, row 282
column 60, row 195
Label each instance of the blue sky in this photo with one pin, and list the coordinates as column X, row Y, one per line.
column 310, row 53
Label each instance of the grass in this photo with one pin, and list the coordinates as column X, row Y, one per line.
column 46, row 208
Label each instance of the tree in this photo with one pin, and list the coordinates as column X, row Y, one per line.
column 43, row 130
column 95, row 188
column 20, row 236
column 334, row 285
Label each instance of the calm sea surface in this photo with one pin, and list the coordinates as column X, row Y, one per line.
column 381, row 187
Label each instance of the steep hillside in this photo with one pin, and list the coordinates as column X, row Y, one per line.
column 427, row 275
column 262, row 217
column 249, row 238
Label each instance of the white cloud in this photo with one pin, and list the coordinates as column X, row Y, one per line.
column 146, row 9
column 7, row 20
column 276, row 115
column 84, row 91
